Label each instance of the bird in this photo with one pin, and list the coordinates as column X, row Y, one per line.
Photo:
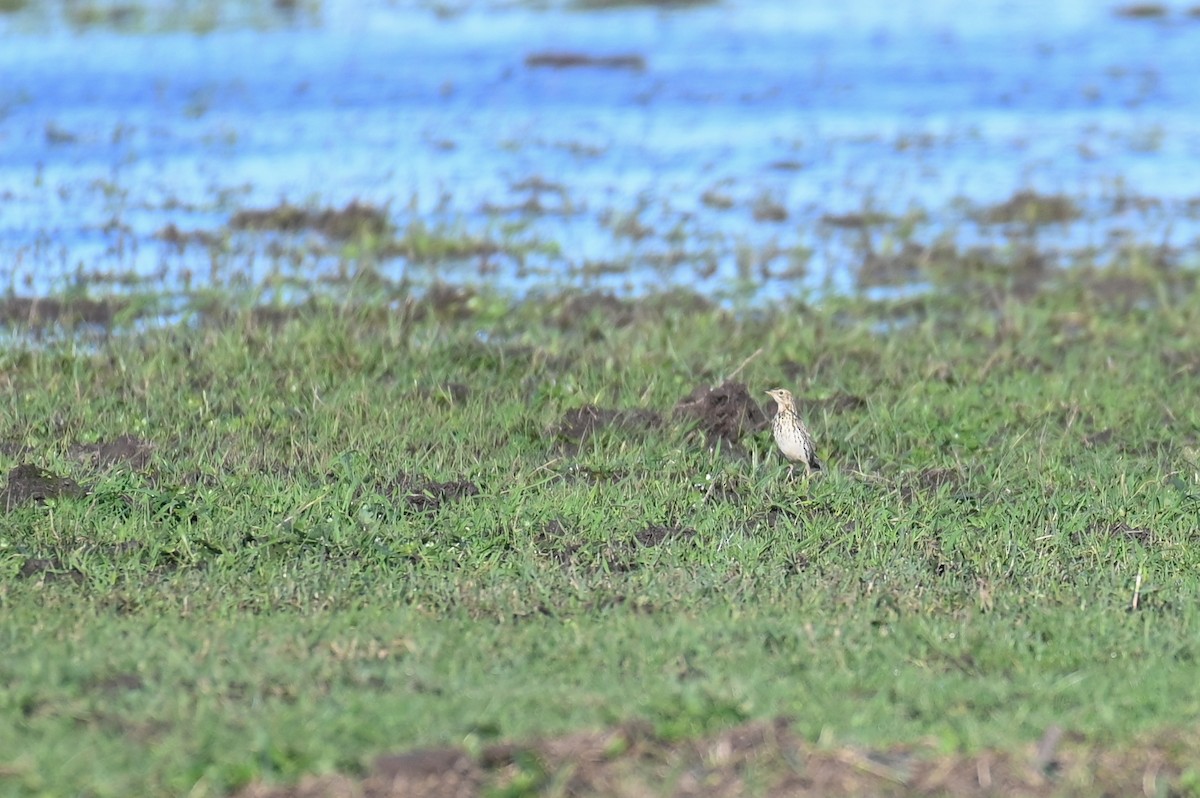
column 793, row 438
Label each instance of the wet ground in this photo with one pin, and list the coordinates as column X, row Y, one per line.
column 736, row 148
column 765, row 758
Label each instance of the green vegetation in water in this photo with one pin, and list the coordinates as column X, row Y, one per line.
column 262, row 544
column 1033, row 209
column 164, row 17
column 1142, row 11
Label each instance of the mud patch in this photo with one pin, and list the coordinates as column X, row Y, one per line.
column 1120, row 529
column 49, row 569
column 623, row 556
column 725, row 413
column 558, row 541
column 356, row 220
column 412, row 491
column 127, row 449
column 572, row 60
column 30, row 484
column 656, row 534
column 431, row 771
column 934, row 478
column 759, row 757
column 579, row 424
column 39, row 313
column 53, row 568
column 429, row 496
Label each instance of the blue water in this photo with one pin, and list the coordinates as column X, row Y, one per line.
column 919, row 108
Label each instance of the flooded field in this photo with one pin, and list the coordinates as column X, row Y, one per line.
column 432, row 453
column 760, row 149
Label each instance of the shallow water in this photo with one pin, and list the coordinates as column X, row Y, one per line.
column 713, row 166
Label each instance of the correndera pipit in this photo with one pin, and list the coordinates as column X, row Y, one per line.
column 793, row 438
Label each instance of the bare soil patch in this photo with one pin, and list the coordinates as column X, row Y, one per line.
column 760, row 757
column 30, row 484
column 49, row 569
column 580, row 423
column 725, row 413
column 128, row 449
column 656, row 534
column 425, row 495
column 561, row 542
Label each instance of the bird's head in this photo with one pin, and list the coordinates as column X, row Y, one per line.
column 782, row 396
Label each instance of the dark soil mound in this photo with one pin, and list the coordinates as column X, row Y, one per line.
column 28, row 483
column 726, row 412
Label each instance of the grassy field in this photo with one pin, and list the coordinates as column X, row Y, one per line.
column 264, row 544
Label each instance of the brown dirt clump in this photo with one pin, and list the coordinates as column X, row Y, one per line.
column 726, row 413
column 28, row 483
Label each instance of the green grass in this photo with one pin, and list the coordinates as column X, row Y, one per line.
column 266, row 598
